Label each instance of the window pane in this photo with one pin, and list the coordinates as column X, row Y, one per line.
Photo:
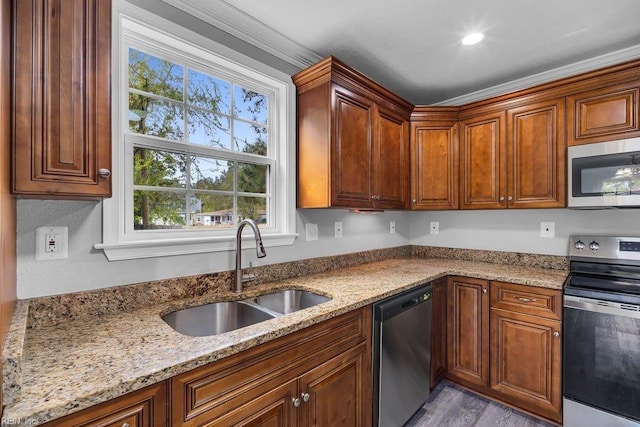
column 249, row 138
column 208, row 92
column 252, row 178
column 209, row 129
column 254, row 208
column 215, row 211
column 155, row 75
column 158, row 168
column 250, row 105
column 150, row 116
column 158, row 210
column 211, row 174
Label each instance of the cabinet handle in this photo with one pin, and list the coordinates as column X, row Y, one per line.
column 296, row 402
column 502, row 198
column 526, row 299
column 556, row 334
column 305, row 396
column 104, row 173
column 484, row 290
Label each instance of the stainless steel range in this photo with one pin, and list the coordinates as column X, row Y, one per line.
column 601, row 346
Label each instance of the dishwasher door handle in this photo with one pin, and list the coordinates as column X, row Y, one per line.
column 410, row 303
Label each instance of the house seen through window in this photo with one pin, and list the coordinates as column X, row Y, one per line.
column 200, row 143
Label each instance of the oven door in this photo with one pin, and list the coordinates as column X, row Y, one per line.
column 601, row 352
column 604, row 174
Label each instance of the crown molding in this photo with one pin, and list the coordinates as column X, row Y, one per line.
column 612, row 58
column 245, row 27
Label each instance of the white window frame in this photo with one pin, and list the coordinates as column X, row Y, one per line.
column 134, row 26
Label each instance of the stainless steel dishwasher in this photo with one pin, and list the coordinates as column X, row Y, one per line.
column 401, row 356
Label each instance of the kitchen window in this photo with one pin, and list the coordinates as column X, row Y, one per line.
column 201, row 142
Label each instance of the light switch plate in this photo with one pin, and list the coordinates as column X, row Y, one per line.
column 52, row 243
column 311, row 231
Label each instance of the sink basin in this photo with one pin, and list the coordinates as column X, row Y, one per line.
column 214, row 319
column 289, row 300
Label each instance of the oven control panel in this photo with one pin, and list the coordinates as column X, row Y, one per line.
column 607, row 247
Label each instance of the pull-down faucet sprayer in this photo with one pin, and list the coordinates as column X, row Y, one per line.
column 260, row 252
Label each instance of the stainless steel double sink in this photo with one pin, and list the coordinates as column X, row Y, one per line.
column 225, row 316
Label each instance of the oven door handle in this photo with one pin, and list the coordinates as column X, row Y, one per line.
column 600, row 306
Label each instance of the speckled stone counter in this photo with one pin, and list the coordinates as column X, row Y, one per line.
column 71, row 365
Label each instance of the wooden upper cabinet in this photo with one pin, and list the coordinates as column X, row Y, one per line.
column 435, row 161
column 604, row 114
column 483, row 172
column 61, row 98
column 353, row 142
column 536, row 155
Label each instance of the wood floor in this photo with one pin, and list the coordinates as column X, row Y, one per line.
column 452, row 406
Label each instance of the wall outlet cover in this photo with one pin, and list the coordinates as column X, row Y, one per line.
column 311, row 231
column 51, row 243
column 392, row 227
column 434, row 227
column 337, row 228
column 547, row 230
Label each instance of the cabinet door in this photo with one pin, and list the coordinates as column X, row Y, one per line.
column 143, row 408
column 339, row 392
column 468, row 331
column 439, row 332
column 483, row 162
column 351, row 155
column 525, row 362
column 536, row 155
column 390, row 167
column 272, row 409
column 62, row 105
column 434, row 150
column 604, row 114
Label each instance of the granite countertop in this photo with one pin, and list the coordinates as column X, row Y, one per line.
column 83, row 362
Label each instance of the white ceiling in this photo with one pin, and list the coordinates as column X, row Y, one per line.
column 413, row 47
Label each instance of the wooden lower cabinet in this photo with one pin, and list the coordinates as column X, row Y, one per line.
column 143, row 408
column 468, row 331
column 508, row 346
column 319, row 376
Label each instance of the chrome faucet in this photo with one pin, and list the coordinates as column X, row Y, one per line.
column 260, row 252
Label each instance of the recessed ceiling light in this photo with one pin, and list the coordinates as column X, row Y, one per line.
column 473, row 38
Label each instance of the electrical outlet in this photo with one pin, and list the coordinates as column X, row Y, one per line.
column 337, row 230
column 51, row 243
column 311, row 231
column 547, row 230
column 434, row 227
column 392, row 227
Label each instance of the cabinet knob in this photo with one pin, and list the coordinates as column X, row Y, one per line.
column 556, row 334
column 509, row 198
column 296, row 402
column 414, row 201
column 125, row 424
column 502, row 198
column 305, row 396
column 484, row 290
column 104, row 173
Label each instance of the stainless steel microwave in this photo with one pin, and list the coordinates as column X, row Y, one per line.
column 604, row 175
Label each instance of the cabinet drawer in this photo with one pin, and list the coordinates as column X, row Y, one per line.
column 142, row 408
column 527, row 299
column 215, row 389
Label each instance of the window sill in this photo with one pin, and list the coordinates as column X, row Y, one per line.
column 171, row 247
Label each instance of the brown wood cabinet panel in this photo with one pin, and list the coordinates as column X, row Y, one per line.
column 207, row 393
column 536, row 165
column 483, row 172
column 604, row 114
column 525, row 362
column 272, row 409
column 62, row 98
column 351, row 158
column 435, row 168
column 439, row 332
column 143, row 408
column 527, row 299
column 468, row 331
column 339, row 392
column 391, row 160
